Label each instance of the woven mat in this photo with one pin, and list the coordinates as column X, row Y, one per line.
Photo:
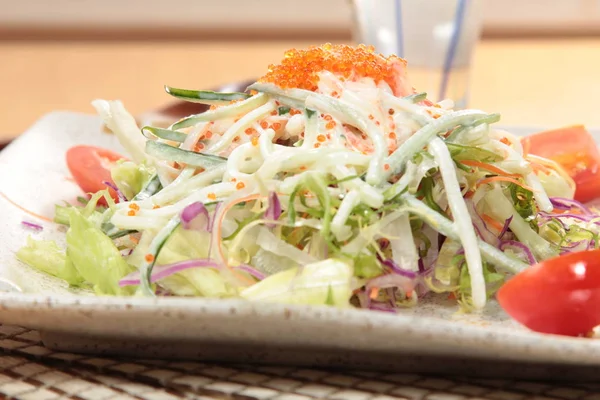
column 30, row 371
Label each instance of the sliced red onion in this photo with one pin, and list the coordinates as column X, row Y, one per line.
column 505, row 227
column 579, row 217
column 422, row 268
column 192, row 211
column 391, row 264
column 252, row 271
column 126, row 252
column 273, row 211
column 521, row 247
column 566, row 204
column 481, row 227
column 211, row 221
column 389, row 281
column 162, row 271
column 33, row 226
column 114, row 187
column 379, row 306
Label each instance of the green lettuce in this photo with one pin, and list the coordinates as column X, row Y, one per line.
column 185, row 245
column 95, row 257
column 46, row 256
column 323, row 282
column 130, row 177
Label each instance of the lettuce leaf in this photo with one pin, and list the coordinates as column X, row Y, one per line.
column 46, row 256
column 323, row 282
column 95, row 256
column 185, row 245
column 130, row 177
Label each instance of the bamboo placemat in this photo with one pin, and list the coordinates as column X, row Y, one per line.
column 30, row 371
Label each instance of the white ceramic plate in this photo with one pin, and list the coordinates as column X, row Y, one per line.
column 432, row 337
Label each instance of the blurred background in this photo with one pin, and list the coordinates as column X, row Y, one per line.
column 537, row 62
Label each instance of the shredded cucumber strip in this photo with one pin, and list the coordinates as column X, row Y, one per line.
column 185, row 184
column 338, row 223
column 447, row 228
column 230, row 111
column 368, row 194
column 166, row 134
column 188, row 157
column 539, row 193
column 462, row 220
column 156, row 245
column 205, row 96
column 501, row 208
column 456, row 133
column 422, row 137
column 243, row 123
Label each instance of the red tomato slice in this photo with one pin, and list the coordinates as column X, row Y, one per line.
column 558, row 296
column 90, row 167
column 576, row 151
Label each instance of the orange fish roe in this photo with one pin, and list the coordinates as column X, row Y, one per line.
column 254, row 141
column 317, row 145
column 505, row 141
column 131, row 213
column 276, row 126
column 134, row 206
column 392, row 135
column 335, row 94
column 300, row 68
column 236, row 139
column 377, row 123
column 391, row 111
column 154, row 207
column 240, row 185
column 134, row 239
column 327, row 117
column 211, row 196
column 274, row 112
column 199, row 147
column 213, row 107
column 302, row 168
column 233, row 179
column 250, row 131
column 321, row 138
column 264, row 124
column 371, row 116
column 386, row 167
column 293, row 111
column 149, row 258
column 330, row 125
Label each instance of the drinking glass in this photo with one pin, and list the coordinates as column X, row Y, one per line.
column 436, row 37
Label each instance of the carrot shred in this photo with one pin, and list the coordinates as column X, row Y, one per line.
column 374, row 293
column 491, row 221
column 537, row 167
column 504, row 179
column 489, row 167
column 20, row 207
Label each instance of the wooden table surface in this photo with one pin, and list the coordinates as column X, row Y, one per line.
column 545, row 82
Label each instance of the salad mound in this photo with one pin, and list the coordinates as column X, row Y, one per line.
column 330, row 181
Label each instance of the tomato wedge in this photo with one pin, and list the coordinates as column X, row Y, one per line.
column 576, row 151
column 559, row 296
column 90, row 167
